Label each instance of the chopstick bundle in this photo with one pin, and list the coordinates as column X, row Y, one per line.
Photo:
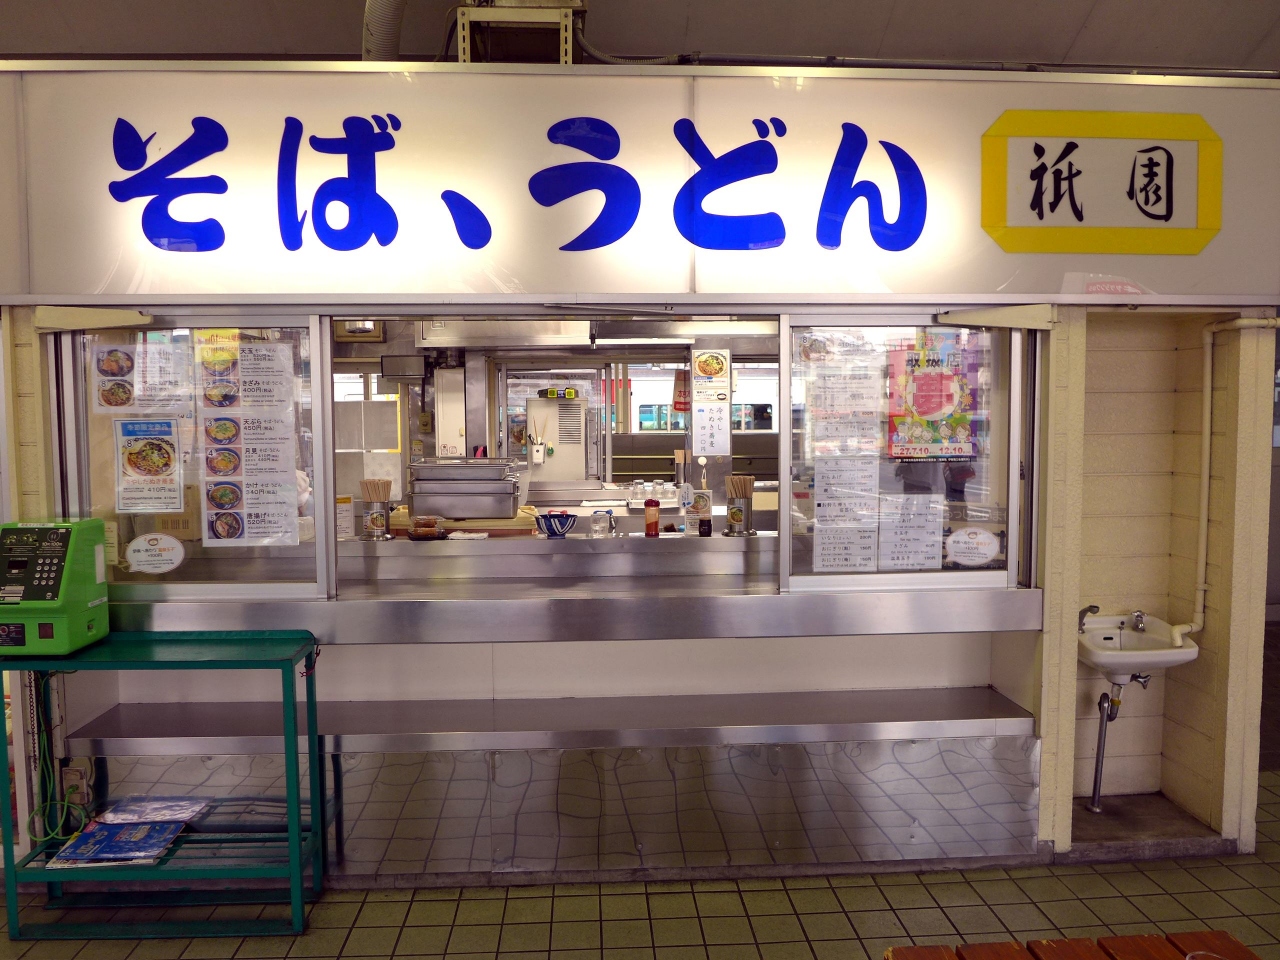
column 375, row 491
column 739, row 487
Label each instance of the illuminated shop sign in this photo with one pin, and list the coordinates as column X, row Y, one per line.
column 447, row 185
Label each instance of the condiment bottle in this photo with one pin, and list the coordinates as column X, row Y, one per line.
column 651, row 517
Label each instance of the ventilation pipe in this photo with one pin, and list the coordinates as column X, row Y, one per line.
column 1181, row 630
column 382, row 22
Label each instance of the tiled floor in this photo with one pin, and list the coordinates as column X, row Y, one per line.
column 823, row 918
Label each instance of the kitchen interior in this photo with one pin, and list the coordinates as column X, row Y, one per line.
column 476, row 449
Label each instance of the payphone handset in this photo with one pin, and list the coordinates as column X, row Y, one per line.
column 53, row 586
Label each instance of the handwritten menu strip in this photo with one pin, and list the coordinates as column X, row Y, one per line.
column 711, row 425
column 148, row 466
column 911, row 531
column 140, row 378
column 246, row 418
column 849, row 548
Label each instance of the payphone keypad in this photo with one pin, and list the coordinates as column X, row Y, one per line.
column 32, row 562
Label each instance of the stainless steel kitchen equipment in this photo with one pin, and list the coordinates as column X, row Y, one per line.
column 493, row 499
column 460, row 468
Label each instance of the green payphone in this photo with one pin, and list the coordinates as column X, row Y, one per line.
column 53, row 586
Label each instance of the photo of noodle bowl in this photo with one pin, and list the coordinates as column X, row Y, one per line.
column 115, row 393
column 114, row 363
column 222, row 393
column 222, row 462
column 226, row 526
column 150, row 458
column 219, row 361
column 224, row 495
column 222, row 430
column 711, row 365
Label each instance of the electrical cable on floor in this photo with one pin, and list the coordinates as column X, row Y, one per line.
column 41, row 825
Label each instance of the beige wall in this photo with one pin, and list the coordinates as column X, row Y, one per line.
column 1212, row 705
column 1126, row 516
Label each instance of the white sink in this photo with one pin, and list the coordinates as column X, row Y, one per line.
column 1114, row 647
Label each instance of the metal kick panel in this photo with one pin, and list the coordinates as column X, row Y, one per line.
column 609, row 608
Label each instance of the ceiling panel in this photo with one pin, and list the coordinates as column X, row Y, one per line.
column 1033, row 31
column 1192, row 33
column 1172, row 33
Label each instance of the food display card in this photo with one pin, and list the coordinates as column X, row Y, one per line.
column 711, row 376
column 140, row 378
column 148, row 466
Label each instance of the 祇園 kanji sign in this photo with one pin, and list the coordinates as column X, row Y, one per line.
column 1075, row 181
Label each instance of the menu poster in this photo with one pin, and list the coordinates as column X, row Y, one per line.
column 140, row 377
column 849, row 548
column 148, row 466
column 711, row 372
column 932, row 396
column 246, row 425
column 911, row 531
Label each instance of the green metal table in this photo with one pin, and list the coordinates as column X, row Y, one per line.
column 210, row 856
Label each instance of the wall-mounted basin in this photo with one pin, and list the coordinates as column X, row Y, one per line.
column 1116, row 647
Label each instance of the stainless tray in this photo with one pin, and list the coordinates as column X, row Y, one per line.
column 461, row 468
column 466, row 506
column 468, row 487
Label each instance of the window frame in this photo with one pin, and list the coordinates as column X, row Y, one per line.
column 907, row 580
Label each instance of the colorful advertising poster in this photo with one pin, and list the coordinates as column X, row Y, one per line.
column 932, row 396
column 249, row 487
column 140, row 378
column 148, row 466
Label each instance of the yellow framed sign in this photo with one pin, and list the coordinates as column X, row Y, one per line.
column 1105, row 182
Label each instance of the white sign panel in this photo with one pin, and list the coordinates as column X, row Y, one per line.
column 434, row 185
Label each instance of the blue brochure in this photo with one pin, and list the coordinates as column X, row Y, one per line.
column 117, row 842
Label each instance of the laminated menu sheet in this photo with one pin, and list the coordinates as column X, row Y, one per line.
column 246, row 426
column 911, row 531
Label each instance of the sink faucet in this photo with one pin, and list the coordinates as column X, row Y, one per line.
column 1139, row 621
column 1091, row 608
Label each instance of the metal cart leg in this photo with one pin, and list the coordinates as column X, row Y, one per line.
column 289, row 693
column 315, row 767
column 339, row 819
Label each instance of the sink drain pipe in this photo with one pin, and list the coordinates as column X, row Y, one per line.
column 1180, row 631
column 1108, row 710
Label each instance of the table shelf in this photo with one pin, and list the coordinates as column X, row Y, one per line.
column 213, row 851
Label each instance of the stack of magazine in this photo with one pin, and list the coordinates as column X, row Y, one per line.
column 133, row 830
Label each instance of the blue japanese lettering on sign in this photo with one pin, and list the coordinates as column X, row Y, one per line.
column 369, row 215
column 844, row 187
column 620, row 189
column 468, row 220
column 714, row 231
column 159, row 183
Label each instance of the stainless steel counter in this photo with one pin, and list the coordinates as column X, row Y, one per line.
column 597, row 608
column 575, row 556
column 189, row 729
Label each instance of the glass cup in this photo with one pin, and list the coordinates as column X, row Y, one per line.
column 637, row 490
column 601, row 524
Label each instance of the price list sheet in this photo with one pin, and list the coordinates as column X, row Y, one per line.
column 911, row 531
